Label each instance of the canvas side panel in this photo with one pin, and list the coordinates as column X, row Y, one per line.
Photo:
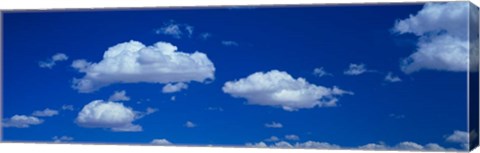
column 473, row 87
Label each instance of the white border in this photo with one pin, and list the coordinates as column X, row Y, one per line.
column 7, row 5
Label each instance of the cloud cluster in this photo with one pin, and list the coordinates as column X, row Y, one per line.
column 406, row 145
column 119, row 96
column 443, row 37
column 133, row 62
column 280, row 89
column 107, row 114
column 21, row 121
column 284, row 144
column 229, row 43
column 49, row 63
column 392, row 78
column 190, row 124
column 175, row 30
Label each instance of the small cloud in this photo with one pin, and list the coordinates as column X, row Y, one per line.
column 190, row 124
column 57, row 139
column 119, row 96
column 171, row 88
column 175, row 30
column 151, row 110
column 161, row 142
column 21, row 121
column 229, row 43
column 257, row 145
column 45, row 113
column 49, row 63
column 391, row 78
column 272, row 139
column 292, row 137
column 68, row 107
column 457, row 136
column 356, row 69
column 173, row 98
column 205, row 35
column 320, row 72
column 220, row 109
column 397, row 116
column 273, row 125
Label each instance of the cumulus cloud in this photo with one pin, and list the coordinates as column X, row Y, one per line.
column 292, row 137
column 190, row 124
column 133, row 62
column 161, row 142
column 460, row 137
column 171, row 88
column 356, row 69
column 45, row 113
column 205, row 35
column 443, row 40
column 257, row 145
column 320, row 72
column 175, row 30
column 119, row 96
column 21, row 121
column 111, row 115
column 229, row 43
column 279, row 89
column 273, row 125
column 392, row 78
column 406, row 145
column 49, row 63
column 59, row 139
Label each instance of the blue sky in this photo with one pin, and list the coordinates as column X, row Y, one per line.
column 309, row 77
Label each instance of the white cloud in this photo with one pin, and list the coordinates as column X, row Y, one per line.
column 151, row 110
column 133, row 62
column 406, row 145
column 49, row 63
column 173, row 98
column 67, row 107
column 21, row 121
column 257, row 145
column 292, row 137
column 317, row 145
column 320, row 72
column 458, row 137
column 45, row 113
column 111, row 115
column 356, row 69
column 229, row 43
column 391, row 78
column 443, row 42
column 272, row 139
column 161, row 142
column 220, row 109
column 119, row 96
column 190, row 124
column 282, row 144
column 175, row 30
column 171, row 88
column 59, row 139
column 280, row 89
column 273, row 125
column 205, row 35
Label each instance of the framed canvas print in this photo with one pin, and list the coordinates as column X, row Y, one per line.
column 380, row 76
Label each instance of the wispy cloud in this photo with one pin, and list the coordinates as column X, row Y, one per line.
column 59, row 139
column 229, row 43
column 49, row 63
column 171, row 88
column 45, row 113
column 161, row 142
column 21, row 121
column 190, row 124
column 273, row 125
column 392, row 78
column 320, row 72
column 176, row 30
column 356, row 69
